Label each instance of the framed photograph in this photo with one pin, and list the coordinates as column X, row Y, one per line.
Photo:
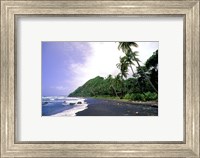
column 97, row 79
column 100, row 78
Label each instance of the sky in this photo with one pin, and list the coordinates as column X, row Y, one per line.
column 68, row 65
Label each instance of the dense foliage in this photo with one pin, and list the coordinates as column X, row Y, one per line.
column 142, row 85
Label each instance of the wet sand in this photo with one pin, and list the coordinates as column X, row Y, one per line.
column 104, row 107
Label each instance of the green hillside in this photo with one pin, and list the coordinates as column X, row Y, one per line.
column 90, row 88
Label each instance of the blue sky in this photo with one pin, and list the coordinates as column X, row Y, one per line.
column 68, row 65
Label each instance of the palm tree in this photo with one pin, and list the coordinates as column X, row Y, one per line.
column 110, row 80
column 125, row 46
column 131, row 57
column 119, row 83
column 123, row 66
column 127, row 61
column 152, row 66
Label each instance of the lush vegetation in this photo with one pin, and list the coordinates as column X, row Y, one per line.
column 140, row 85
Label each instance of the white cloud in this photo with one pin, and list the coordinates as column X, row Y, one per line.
column 101, row 62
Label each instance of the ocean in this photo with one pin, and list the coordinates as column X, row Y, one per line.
column 62, row 105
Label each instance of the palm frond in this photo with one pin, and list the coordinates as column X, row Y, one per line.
column 126, row 46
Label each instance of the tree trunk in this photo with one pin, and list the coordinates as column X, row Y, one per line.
column 114, row 90
column 146, row 76
column 137, row 80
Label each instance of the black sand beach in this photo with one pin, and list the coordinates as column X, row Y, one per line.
column 104, row 107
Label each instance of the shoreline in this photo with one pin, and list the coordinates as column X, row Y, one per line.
column 103, row 107
column 150, row 103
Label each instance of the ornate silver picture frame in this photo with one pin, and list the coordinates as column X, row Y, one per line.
column 11, row 9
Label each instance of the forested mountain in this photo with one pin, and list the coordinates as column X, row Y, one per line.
column 143, row 85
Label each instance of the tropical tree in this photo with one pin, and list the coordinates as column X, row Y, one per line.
column 123, row 66
column 131, row 57
column 111, row 86
column 125, row 62
column 125, row 46
column 152, row 66
column 119, row 84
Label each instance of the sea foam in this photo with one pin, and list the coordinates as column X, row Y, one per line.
column 72, row 111
column 51, row 104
